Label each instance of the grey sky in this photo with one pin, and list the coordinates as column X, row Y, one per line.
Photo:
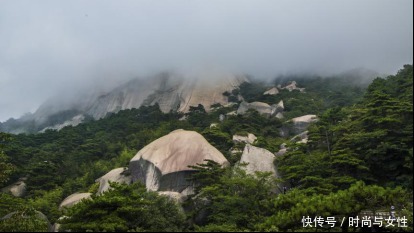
column 47, row 47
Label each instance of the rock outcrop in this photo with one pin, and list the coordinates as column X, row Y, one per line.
column 263, row 108
column 279, row 115
column 301, row 138
column 258, row 159
column 301, row 124
column 116, row 175
column 74, row 199
column 249, row 139
column 272, row 91
column 17, row 189
column 283, row 149
column 293, row 86
column 163, row 165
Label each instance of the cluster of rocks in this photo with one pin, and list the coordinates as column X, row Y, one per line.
column 290, row 87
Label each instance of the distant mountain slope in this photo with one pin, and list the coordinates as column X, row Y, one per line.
column 171, row 91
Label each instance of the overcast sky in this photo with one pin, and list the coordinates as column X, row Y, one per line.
column 50, row 46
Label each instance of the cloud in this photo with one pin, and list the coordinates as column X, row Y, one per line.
column 50, row 46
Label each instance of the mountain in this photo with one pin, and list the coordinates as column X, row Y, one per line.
column 171, row 91
column 354, row 158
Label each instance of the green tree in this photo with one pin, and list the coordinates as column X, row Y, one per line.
column 292, row 207
column 124, row 208
column 6, row 168
column 25, row 220
column 236, row 200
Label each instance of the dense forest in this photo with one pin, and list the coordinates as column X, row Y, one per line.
column 359, row 157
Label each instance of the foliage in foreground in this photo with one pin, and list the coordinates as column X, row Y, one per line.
column 125, row 208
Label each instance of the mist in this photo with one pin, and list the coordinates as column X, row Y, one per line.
column 53, row 47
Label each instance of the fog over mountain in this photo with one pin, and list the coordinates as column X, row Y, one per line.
column 50, row 48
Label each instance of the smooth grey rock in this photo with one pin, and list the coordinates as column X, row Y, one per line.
column 258, row 159
column 163, row 165
column 301, row 138
column 115, row 175
column 301, row 124
column 280, row 107
column 262, row 108
column 272, row 91
column 74, row 199
column 279, row 115
column 250, row 138
column 17, row 189
column 281, row 152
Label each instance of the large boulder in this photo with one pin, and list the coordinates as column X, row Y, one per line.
column 17, row 189
column 301, row 124
column 163, row 165
column 74, row 199
column 258, row 159
column 118, row 175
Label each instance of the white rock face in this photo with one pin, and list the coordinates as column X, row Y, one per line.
column 258, row 159
column 171, row 91
column 250, row 138
column 208, row 90
column 74, row 199
column 115, row 175
column 302, row 123
column 163, row 164
column 17, row 189
column 272, row 91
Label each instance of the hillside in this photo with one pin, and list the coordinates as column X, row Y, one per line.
column 172, row 92
column 338, row 147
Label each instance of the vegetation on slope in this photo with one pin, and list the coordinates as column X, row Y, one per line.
column 359, row 157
